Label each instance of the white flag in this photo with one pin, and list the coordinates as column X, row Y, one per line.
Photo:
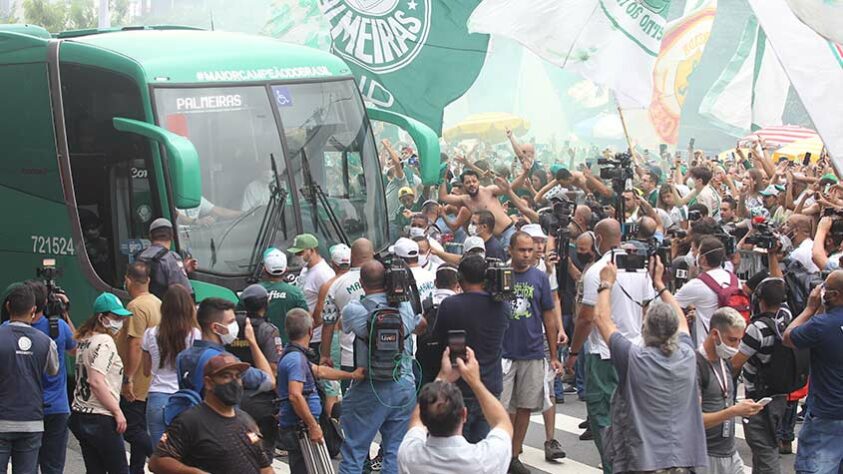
column 823, row 16
column 611, row 42
column 813, row 64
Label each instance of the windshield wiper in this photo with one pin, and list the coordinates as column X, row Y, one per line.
column 312, row 190
column 269, row 224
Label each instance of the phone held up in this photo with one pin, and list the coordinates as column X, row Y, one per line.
column 456, row 344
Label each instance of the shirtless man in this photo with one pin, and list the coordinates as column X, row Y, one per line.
column 479, row 198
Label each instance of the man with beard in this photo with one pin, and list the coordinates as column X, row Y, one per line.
column 480, row 198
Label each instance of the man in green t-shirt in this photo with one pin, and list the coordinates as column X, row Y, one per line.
column 409, row 206
column 282, row 295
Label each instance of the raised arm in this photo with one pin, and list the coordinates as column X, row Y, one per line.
column 818, row 253
column 516, row 148
column 519, row 203
column 447, row 198
column 394, row 159
column 603, row 308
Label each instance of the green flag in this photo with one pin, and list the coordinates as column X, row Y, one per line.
column 413, row 57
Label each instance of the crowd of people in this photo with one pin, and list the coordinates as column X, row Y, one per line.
column 677, row 296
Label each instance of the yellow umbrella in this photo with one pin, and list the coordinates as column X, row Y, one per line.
column 795, row 151
column 489, row 127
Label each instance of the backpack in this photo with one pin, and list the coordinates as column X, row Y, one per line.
column 186, row 398
column 385, row 340
column 787, row 369
column 429, row 350
column 157, row 279
column 731, row 295
column 799, row 282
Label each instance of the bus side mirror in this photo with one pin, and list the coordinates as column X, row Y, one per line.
column 427, row 142
column 182, row 158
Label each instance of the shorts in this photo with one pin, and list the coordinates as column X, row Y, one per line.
column 721, row 465
column 524, row 384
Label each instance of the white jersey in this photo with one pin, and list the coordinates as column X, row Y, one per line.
column 343, row 290
column 310, row 281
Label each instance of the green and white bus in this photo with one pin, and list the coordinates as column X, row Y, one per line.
column 105, row 130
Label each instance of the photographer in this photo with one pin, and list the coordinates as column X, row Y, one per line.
column 485, row 334
column 702, row 291
column 819, row 255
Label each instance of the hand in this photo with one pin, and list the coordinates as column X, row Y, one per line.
column 204, row 221
column 825, row 224
column 190, row 265
column 249, row 333
column 469, row 369
column 120, row 421
column 385, row 143
column 358, row 374
column 572, row 153
column 570, row 362
column 326, row 361
column 407, row 213
column 658, row 270
column 550, row 261
column 502, row 183
column 746, row 408
column 508, row 132
column 446, row 372
column 557, row 366
column 561, row 337
column 814, row 299
column 128, row 391
column 315, row 432
column 609, row 273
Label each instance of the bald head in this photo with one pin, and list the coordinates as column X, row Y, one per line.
column 646, row 227
column 582, row 214
column 361, row 252
column 834, row 281
column 609, row 233
column 372, row 277
column 800, row 223
column 529, row 149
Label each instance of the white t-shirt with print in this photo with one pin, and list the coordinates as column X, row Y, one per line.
column 310, row 281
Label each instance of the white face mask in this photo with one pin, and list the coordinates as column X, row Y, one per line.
column 724, row 351
column 233, row 329
column 472, row 229
column 416, row 232
column 113, row 325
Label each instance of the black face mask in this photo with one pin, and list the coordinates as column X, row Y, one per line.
column 584, row 258
column 229, row 393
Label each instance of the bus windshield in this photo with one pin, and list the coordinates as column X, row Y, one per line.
column 235, row 131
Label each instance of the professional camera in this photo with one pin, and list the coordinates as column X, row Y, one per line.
column 635, row 258
column 558, row 217
column 764, row 236
column 55, row 308
column 729, row 242
column 398, row 277
column 837, row 219
column 694, row 215
column 499, row 280
column 617, row 169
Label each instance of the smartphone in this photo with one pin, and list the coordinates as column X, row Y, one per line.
column 662, row 148
column 764, row 401
column 691, row 143
column 456, row 343
column 807, row 160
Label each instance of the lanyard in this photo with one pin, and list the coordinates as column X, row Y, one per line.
column 724, row 384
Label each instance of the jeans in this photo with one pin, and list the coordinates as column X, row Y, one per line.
column 53, row 444
column 136, row 434
column 476, row 428
column 579, row 377
column 601, row 382
column 367, row 408
column 22, row 448
column 290, row 438
column 788, row 424
column 102, row 446
column 820, row 446
column 155, row 402
column 760, row 432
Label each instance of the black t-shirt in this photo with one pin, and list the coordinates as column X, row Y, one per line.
column 204, row 439
column 484, row 321
column 494, row 249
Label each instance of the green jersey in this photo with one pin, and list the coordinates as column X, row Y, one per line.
column 282, row 298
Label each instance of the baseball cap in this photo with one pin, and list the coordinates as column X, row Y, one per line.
column 108, row 303
column 770, row 191
column 222, row 362
column 473, row 242
column 303, row 242
column 405, row 191
column 341, row 254
column 829, row 177
column 254, row 291
column 406, row 248
column 534, row 231
column 159, row 223
column 275, row 262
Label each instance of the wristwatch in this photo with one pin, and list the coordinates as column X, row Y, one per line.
column 604, row 285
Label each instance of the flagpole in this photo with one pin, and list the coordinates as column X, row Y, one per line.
column 623, row 122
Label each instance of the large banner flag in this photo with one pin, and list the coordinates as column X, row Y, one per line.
column 410, row 56
column 611, row 42
column 813, row 64
column 751, row 92
column 823, row 16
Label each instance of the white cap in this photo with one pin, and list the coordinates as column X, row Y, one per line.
column 405, row 248
column 341, row 254
column 473, row 242
column 275, row 262
column 534, row 230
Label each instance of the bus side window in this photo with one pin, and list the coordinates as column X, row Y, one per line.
column 111, row 170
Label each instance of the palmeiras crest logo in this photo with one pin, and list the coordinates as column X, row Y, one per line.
column 382, row 36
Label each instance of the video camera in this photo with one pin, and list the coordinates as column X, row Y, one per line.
column 559, row 216
column 499, row 280
column 764, row 237
column 617, row 169
column 398, row 281
column 55, row 308
column 837, row 219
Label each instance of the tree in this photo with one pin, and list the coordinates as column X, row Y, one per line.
column 52, row 16
column 58, row 16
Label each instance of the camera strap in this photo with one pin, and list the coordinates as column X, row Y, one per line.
column 54, row 327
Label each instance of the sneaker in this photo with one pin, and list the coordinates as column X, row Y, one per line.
column 553, row 450
column 515, row 467
column 570, row 389
column 376, row 463
column 587, row 435
column 559, row 400
column 786, row 447
column 585, row 424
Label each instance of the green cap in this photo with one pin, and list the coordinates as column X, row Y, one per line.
column 108, row 303
column 303, row 242
column 829, row 177
column 556, row 167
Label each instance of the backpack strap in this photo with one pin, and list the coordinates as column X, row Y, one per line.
column 199, row 372
column 702, row 369
column 155, row 258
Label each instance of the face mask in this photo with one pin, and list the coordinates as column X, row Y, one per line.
column 724, row 351
column 229, row 393
column 584, row 258
column 472, row 229
column 233, row 329
column 416, row 232
column 113, row 325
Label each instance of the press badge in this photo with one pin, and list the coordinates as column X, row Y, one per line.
column 727, row 428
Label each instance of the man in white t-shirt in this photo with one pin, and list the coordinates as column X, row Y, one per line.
column 408, row 250
column 798, row 228
column 314, row 274
column 631, row 292
column 696, row 292
column 206, row 213
column 344, row 290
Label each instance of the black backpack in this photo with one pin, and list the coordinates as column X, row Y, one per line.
column 787, row 369
column 157, row 280
column 799, row 282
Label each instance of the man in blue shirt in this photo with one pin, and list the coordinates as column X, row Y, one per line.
column 300, row 402
column 821, row 438
column 376, row 405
